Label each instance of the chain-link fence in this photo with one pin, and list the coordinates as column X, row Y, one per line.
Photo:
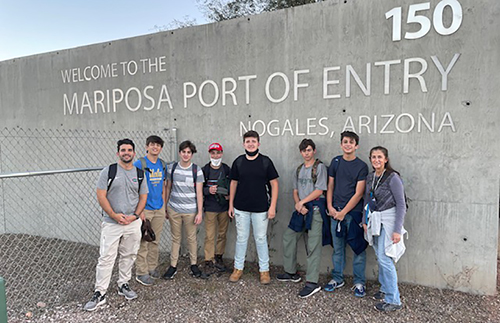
column 50, row 220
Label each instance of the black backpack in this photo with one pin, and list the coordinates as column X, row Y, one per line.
column 112, row 174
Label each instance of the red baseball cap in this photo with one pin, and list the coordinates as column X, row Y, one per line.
column 215, row 146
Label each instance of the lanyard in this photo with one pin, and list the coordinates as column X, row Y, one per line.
column 378, row 182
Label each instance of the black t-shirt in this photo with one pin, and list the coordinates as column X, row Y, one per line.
column 347, row 176
column 252, row 177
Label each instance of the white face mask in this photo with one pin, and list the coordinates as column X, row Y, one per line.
column 216, row 162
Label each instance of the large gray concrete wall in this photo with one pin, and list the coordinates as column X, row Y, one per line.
column 312, row 71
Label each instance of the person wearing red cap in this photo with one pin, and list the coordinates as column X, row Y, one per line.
column 215, row 205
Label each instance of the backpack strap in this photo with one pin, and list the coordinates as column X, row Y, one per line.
column 195, row 174
column 227, row 170
column 140, row 178
column 112, row 174
column 164, row 164
column 336, row 163
column 144, row 165
column 174, row 166
column 314, row 171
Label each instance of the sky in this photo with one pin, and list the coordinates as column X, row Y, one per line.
column 29, row 27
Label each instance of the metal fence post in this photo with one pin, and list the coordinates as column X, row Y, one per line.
column 3, row 302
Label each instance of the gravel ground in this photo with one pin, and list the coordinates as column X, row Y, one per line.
column 186, row 299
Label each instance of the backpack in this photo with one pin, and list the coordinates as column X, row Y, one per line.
column 336, row 163
column 113, row 168
column 385, row 176
column 144, row 165
column 314, row 171
column 195, row 173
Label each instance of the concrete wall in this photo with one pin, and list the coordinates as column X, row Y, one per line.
column 301, row 73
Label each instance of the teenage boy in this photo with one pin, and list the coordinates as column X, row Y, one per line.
column 154, row 169
column 249, row 204
column 216, row 204
column 185, row 206
column 122, row 194
column 346, row 184
column 309, row 183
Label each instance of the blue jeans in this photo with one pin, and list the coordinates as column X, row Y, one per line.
column 387, row 275
column 259, row 224
column 338, row 257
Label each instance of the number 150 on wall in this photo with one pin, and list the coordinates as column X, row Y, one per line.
column 425, row 23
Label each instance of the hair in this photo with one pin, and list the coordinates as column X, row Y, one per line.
column 349, row 134
column 306, row 143
column 187, row 144
column 154, row 140
column 251, row 134
column 384, row 151
column 125, row 141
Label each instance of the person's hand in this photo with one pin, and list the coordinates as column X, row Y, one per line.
column 339, row 216
column 212, row 189
column 304, row 211
column 331, row 211
column 198, row 218
column 142, row 216
column 298, row 206
column 396, row 237
column 271, row 213
column 365, row 227
column 230, row 212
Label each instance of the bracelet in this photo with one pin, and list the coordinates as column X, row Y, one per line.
column 136, row 215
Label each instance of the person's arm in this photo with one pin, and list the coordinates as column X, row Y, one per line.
column 199, row 201
column 168, row 189
column 311, row 197
column 329, row 196
column 232, row 193
column 358, row 195
column 271, row 212
column 104, row 203
column 398, row 192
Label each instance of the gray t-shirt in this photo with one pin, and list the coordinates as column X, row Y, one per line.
column 123, row 195
column 304, row 183
column 183, row 194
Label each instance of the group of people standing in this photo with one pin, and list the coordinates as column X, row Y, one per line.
column 339, row 205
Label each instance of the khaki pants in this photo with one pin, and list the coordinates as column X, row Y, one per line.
column 177, row 221
column 117, row 238
column 147, row 257
column 212, row 221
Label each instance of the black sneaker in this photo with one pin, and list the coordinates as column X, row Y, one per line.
column 196, row 272
column 219, row 264
column 379, row 296
column 286, row 277
column 386, row 307
column 309, row 289
column 170, row 273
column 208, row 267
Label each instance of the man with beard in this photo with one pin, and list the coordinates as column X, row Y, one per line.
column 122, row 194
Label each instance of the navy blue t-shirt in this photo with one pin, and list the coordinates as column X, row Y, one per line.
column 347, row 176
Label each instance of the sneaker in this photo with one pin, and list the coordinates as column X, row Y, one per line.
column 96, row 301
column 196, row 272
column 124, row 290
column 155, row 274
column 236, row 275
column 219, row 264
column 386, row 307
column 170, row 273
column 379, row 296
column 286, row 277
column 359, row 290
column 144, row 280
column 309, row 289
column 208, row 267
column 332, row 285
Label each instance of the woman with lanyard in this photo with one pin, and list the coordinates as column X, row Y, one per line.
column 383, row 225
